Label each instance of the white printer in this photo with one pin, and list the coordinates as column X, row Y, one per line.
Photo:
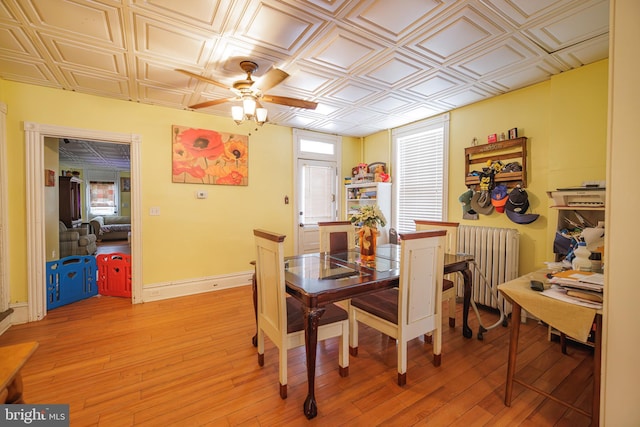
column 579, row 197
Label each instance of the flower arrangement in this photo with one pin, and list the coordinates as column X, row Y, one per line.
column 370, row 216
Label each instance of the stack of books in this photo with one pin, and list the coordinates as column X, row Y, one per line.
column 578, row 287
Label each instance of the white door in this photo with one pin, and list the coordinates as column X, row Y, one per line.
column 316, row 201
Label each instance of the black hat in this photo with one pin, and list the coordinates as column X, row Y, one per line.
column 517, row 205
column 519, row 218
column 518, row 201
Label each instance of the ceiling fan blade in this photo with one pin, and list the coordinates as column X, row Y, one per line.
column 211, row 103
column 290, row 102
column 202, row 78
column 271, row 78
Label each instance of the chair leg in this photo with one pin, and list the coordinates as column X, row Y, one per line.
column 353, row 333
column 452, row 312
column 283, row 391
column 402, row 362
column 343, row 350
column 282, row 356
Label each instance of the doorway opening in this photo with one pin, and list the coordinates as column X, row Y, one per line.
column 35, row 135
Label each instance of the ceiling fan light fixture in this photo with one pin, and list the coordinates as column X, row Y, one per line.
column 237, row 113
column 249, row 106
column 261, row 116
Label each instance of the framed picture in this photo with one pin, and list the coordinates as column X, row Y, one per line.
column 125, row 184
column 49, row 178
column 513, row 133
column 202, row 156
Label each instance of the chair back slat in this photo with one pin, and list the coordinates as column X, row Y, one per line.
column 337, row 236
column 272, row 310
column 451, row 245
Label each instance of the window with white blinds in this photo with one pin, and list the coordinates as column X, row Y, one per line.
column 420, row 163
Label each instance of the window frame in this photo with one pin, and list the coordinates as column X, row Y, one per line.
column 438, row 122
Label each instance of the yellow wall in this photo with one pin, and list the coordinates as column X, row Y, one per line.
column 564, row 119
column 191, row 238
column 565, row 122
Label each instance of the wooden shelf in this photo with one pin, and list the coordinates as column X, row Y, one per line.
column 505, row 151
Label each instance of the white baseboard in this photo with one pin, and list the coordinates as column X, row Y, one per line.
column 161, row 291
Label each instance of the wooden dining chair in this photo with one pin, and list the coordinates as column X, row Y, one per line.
column 281, row 318
column 414, row 307
column 337, row 236
column 449, row 291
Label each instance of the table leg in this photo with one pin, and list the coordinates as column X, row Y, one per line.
column 513, row 351
column 311, row 320
column 597, row 355
column 468, row 282
column 254, row 290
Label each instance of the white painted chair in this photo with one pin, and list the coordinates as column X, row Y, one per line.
column 412, row 309
column 451, row 247
column 280, row 317
column 337, row 236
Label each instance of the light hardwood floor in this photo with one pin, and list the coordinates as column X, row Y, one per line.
column 189, row 362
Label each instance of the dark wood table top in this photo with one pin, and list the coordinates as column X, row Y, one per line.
column 318, row 279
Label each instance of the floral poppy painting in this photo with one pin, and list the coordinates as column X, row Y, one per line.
column 202, row 156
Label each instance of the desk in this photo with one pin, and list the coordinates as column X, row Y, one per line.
column 303, row 283
column 571, row 319
column 12, row 358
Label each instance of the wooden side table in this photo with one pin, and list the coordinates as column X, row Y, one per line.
column 12, row 359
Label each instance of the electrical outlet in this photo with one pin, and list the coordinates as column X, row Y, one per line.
column 154, row 210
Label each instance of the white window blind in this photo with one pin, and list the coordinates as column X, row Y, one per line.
column 420, row 171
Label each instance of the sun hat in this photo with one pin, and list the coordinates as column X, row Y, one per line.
column 499, row 197
column 481, row 202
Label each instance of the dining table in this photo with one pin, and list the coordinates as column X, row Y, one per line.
column 318, row 279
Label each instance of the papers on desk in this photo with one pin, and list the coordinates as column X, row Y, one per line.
column 563, row 294
column 579, row 280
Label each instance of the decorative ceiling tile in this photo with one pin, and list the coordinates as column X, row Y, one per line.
column 160, row 39
column 377, row 62
column 92, row 22
column 394, row 23
column 574, row 26
column 212, row 15
column 458, row 33
column 342, row 50
column 70, row 53
column 282, row 29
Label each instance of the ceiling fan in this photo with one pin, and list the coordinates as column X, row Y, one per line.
column 250, row 91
